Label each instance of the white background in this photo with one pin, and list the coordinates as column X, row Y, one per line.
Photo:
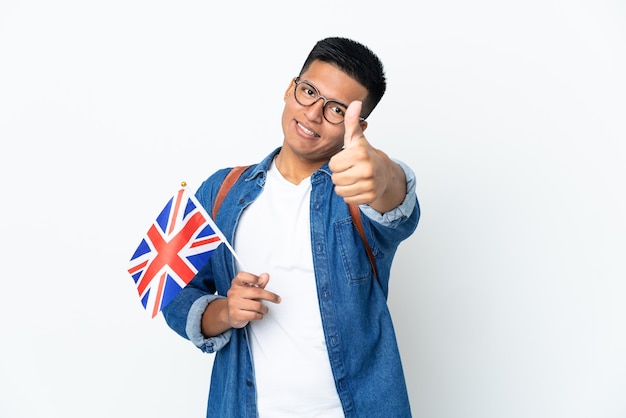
column 509, row 300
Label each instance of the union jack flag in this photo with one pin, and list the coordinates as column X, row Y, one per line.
column 176, row 246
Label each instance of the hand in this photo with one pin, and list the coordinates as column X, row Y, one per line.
column 361, row 173
column 245, row 299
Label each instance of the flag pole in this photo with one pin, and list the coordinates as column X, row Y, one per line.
column 232, row 251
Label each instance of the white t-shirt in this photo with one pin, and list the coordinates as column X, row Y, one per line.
column 291, row 365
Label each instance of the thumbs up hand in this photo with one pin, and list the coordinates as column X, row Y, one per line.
column 363, row 174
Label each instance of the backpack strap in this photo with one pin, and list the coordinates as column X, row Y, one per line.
column 228, row 182
column 355, row 213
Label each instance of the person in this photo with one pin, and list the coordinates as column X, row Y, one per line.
column 303, row 329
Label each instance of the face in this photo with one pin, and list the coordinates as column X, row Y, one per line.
column 308, row 135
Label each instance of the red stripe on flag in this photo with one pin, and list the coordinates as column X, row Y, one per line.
column 175, row 211
column 205, row 241
column 157, row 303
column 137, row 267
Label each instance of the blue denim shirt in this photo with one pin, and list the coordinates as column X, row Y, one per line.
column 359, row 333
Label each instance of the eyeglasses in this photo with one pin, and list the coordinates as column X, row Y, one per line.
column 306, row 94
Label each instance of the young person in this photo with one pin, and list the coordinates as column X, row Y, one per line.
column 303, row 328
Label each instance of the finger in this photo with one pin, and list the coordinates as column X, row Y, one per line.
column 253, row 287
column 266, row 294
column 270, row 297
column 248, row 279
column 258, row 294
column 240, row 314
column 250, row 305
column 352, row 123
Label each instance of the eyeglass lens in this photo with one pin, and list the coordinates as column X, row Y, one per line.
column 306, row 94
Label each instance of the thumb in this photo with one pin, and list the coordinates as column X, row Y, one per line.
column 264, row 278
column 352, row 123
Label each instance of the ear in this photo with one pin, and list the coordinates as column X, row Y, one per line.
column 290, row 88
column 363, row 125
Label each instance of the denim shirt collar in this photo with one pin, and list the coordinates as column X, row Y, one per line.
column 262, row 168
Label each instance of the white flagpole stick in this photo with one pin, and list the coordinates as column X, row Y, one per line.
column 232, row 251
column 215, row 227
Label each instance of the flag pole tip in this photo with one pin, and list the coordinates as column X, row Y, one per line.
column 183, row 183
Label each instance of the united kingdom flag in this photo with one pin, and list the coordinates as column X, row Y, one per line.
column 176, row 246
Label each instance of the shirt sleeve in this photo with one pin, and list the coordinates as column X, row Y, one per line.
column 194, row 330
column 405, row 208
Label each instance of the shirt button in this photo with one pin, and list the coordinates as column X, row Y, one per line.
column 249, row 383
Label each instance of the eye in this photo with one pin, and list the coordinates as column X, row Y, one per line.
column 336, row 109
column 309, row 91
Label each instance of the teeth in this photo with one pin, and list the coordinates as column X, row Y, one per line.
column 307, row 131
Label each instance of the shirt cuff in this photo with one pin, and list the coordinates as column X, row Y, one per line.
column 405, row 208
column 194, row 329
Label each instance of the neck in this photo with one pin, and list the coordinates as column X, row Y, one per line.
column 294, row 171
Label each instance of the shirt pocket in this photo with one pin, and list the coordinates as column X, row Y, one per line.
column 354, row 259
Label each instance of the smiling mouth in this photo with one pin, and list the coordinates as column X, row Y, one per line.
column 307, row 131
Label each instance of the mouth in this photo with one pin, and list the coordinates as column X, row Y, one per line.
column 307, row 131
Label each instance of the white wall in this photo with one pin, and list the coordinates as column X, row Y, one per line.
column 509, row 298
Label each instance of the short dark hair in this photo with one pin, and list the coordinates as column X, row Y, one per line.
column 356, row 60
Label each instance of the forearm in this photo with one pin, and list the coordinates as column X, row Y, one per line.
column 215, row 318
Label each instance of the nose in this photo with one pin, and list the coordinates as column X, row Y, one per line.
column 315, row 111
